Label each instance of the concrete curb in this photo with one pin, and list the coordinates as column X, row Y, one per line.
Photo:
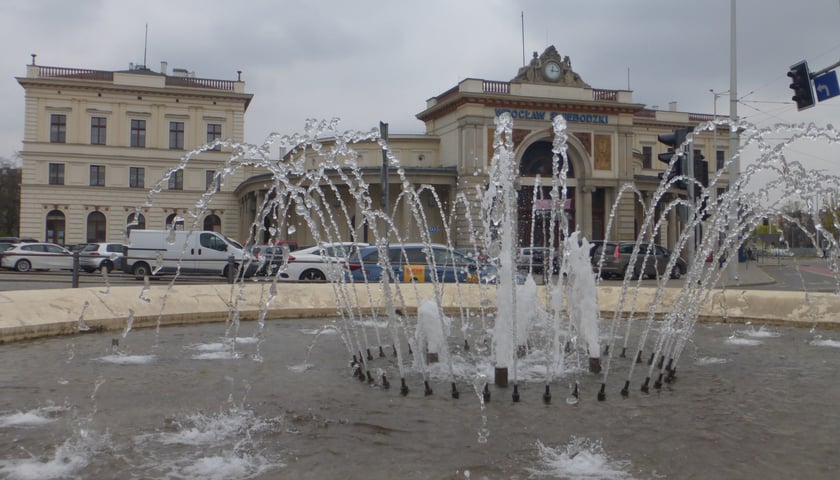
column 30, row 314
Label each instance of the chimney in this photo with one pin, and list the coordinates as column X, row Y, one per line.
column 672, row 106
column 163, row 67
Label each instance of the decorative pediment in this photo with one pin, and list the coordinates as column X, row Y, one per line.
column 550, row 68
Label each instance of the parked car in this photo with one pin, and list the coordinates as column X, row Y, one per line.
column 418, row 262
column 18, row 240
column 24, row 257
column 157, row 252
column 617, row 260
column 269, row 258
column 324, row 262
column 537, row 259
column 96, row 256
column 6, row 245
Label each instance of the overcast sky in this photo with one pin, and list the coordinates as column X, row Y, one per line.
column 370, row 61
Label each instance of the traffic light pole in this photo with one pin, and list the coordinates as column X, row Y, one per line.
column 692, row 240
column 735, row 165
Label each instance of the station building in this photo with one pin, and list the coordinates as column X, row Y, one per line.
column 80, row 184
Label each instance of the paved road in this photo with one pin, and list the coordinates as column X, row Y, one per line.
column 789, row 274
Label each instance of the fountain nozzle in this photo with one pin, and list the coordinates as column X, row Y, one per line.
column 466, row 345
column 515, row 393
column 455, row 393
column 645, row 386
column 486, row 394
column 547, row 395
column 381, row 352
column 403, row 387
column 428, row 388
column 602, row 394
column 658, row 383
column 576, row 391
column 625, row 392
column 385, row 383
column 369, row 356
column 623, row 352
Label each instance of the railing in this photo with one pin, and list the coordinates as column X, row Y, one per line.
column 80, row 73
column 605, row 95
column 491, row 86
column 192, row 82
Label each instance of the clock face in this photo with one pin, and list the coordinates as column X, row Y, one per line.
column 552, row 70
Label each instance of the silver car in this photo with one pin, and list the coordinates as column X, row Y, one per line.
column 37, row 256
column 96, row 256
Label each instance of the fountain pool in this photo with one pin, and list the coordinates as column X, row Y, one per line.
column 189, row 403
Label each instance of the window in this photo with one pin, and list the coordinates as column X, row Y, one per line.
column 213, row 222
column 138, row 133
column 135, row 221
column 56, row 174
column 176, row 180
column 97, row 175
column 720, row 159
column 136, row 177
column 209, row 177
column 96, row 227
column 58, row 128
column 176, row 135
column 214, row 131
column 97, row 130
column 55, row 227
column 208, row 240
column 647, row 156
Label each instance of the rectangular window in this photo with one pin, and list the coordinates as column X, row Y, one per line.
column 97, row 130
column 176, row 135
column 136, row 177
column 214, row 131
column 97, row 175
column 720, row 159
column 56, row 174
column 209, row 177
column 176, row 180
column 58, row 128
column 138, row 133
column 647, row 156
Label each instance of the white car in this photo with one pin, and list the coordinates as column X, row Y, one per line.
column 96, row 256
column 37, row 256
column 319, row 263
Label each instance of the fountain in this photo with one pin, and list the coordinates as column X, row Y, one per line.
column 262, row 399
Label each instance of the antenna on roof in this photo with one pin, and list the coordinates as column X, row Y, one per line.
column 523, row 37
column 145, row 45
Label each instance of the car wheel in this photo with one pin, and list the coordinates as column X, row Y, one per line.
column 88, row 270
column 675, row 272
column 312, row 275
column 141, row 270
column 108, row 266
column 23, row 265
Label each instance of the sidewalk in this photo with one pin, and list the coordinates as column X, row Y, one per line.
column 750, row 274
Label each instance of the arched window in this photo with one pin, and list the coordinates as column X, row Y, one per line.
column 135, row 224
column 55, row 227
column 537, row 160
column 96, row 228
column 174, row 218
column 213, row 222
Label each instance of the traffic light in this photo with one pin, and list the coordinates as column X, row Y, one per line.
column 800, row 79
column 674, row 141
column 701, row 174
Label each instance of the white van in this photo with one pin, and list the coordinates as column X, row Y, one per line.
column 155, row 252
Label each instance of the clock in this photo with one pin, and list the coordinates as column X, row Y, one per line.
column 551, row 70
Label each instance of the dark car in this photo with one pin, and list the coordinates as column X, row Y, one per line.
column 269, row 258
column 537, row 259
column 418, row 263
column 616, row 260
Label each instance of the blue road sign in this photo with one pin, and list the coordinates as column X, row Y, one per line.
column 826, row 86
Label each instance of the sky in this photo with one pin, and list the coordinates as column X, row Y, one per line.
column 368, row 61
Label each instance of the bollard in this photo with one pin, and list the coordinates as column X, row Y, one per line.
column 231, row 269
column 75, row 277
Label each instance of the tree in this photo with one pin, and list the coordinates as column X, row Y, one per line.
column 10, row 173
